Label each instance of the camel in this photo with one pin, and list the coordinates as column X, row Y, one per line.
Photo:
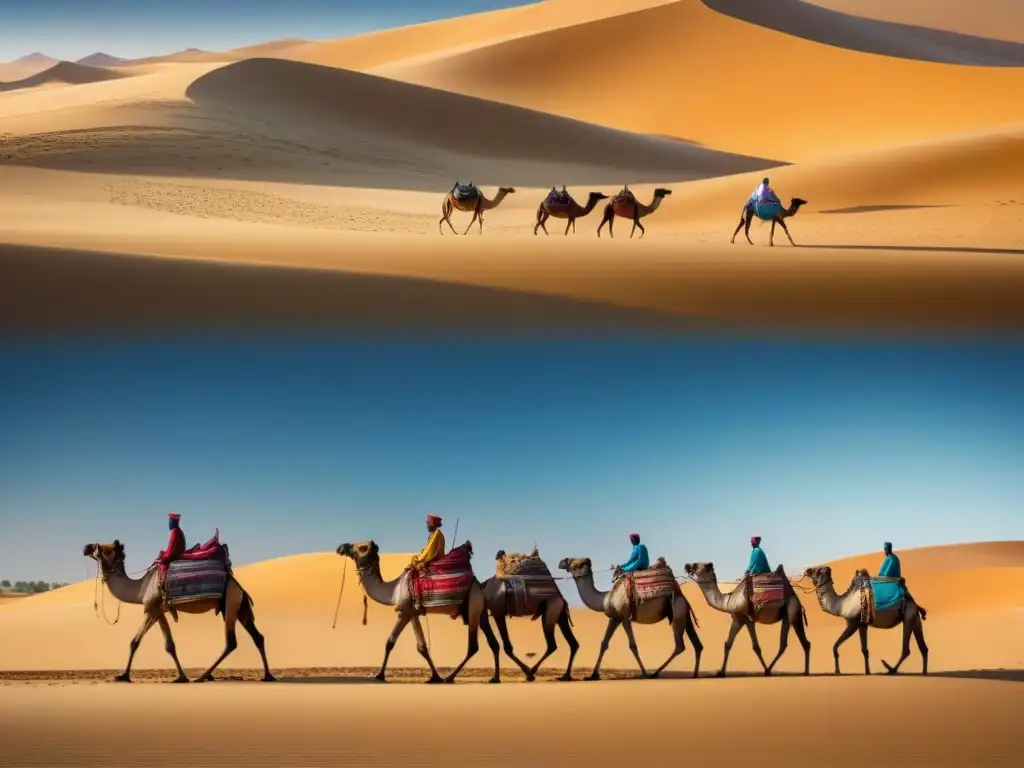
column 472, row 201
column 789, row 611
column 848, row 607
column 615, row 604
column 628, row 207
column 570, row 211
column 236, row 606
column 779, row 218
column 398, row 593
column 551, row 609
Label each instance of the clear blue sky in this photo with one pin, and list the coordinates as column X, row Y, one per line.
column 71, row 29
column 824, row 450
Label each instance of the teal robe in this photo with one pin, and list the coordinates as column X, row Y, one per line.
column 758, row 562
column 638, row 560
column 891, row 567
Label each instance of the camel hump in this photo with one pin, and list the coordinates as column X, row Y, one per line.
column 521, row 565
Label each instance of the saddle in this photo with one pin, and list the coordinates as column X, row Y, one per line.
column 208, row 550
column 764, row 588
column 651, row 583
column 465, row 191
column 878, row 593
column 558, row 198
column 522, row 566
column 444, row 581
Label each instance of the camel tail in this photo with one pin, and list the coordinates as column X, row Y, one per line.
column 568, row 615
column 693, row 616
column 804, row 612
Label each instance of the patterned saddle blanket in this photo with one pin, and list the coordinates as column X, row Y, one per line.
column 558, row 199
column 624, row 204
column 528, row 582
column 465, row 191
column 880, row 594
column 445, row 581
column 651, row 583
column 767, row 588
column 202, row 578
column 767, row 208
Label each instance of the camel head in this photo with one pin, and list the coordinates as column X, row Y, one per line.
column 662, row 192
column 507, row 190
column 107, row 555
column 363, row 554
column 794, row 205
column 598, row 196
column 819, row 574
column 701, row 572
column 577, row 566
column 501, row 554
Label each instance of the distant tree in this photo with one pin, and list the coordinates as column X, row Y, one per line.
column 5, row 584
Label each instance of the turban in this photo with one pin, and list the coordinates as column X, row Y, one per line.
column 755, row 541
column 433, row 520
column 173, row 516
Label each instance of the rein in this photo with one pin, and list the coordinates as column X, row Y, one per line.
column 341, row 592
column 99, row 596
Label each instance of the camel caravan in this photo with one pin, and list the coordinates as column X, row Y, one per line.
column 763, row 204
column 442, row 582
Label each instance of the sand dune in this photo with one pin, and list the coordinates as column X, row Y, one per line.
column 994, row 19
column 64, row 73
column 884, row 38
column 824, row 100
column 26, row 66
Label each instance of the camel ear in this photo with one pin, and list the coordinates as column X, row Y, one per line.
column 117, row 543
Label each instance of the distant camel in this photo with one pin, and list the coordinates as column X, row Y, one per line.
column 469, row 199
column 468, row 605
column 787, row 610
column 570, row 210
column 617, row 606
column 628, row 207
column 773, row 212
column 540, row 600
column 236, row 606
column 849, row 606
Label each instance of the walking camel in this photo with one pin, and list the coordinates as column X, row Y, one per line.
column 627, row 206
column 537, row 597
column 850, row 606
column 616, row 605
column 773, row 212
column 787, row 609
column 235, row 606
column 469, row 199
column 466, row 603
column 570, row 210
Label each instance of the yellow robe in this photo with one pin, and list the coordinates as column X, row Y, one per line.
column 433, row 549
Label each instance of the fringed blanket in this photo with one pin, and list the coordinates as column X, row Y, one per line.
column 768, row 588
column 767, row 209
column 445, row 581
column 650, row 584
column 191, row 580
column 528, row 582
column 880, row 594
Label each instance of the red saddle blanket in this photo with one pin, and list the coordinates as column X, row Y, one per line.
column 444, row 581
column 768, row 588
column 624, row 206
column 209, row 550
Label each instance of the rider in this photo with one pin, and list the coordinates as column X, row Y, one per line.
column 891, row 570
column 175, row 549
column 757, row 565
column 763, row 192
column 432, row 550
column 638, row 560
column 558, row 197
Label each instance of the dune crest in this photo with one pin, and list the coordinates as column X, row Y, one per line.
column 64, row 73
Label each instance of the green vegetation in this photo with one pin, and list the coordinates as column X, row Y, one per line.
column 29, row 587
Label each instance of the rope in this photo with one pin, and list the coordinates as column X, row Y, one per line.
column 99, row 605
column 341, row 592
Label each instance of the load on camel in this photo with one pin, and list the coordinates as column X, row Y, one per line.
column 445, row 586
column 523, row 586
column 766, row 598
column 469, row 199
column 871, row 601
column 645, row 597
column 626, row 205
column 199, row 581
column 561, row 205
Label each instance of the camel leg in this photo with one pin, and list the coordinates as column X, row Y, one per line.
column 678, row 628
column 752, row 629
column 851, row 629
column 480, row 221
column 734, row 629
column 421, row 646
column 609, row 217
column 638, row 225
column 613, row 624
column 492, row 642
column 801, row 635
column 738, row 227
column 863, row 630
column 147, row 623
column 907, row 631
column 771, row 235
column 542, row 218
column 628, row 626
column 248, row 620
column 698, row 646
column 472, row 221
column 749, row 217
column 783, row 644
column 574, row 225
column 506, row 643
column 446, row 213
column 473, row 641
column 165, row 627
column 565, row 625
column 389, row 645
column 921, row 645
column 550, row 620
column 230, row 639
column 782, row 223
column 569, row 224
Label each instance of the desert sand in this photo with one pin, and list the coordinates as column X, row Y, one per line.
column 333, row 157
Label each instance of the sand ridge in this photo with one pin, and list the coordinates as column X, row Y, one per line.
column 64, row 73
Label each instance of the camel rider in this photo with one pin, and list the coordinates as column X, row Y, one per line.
column 891, row 570
column 757, row 566
column 764, row 192
column 558, row 197
column 432, row 550
column 175, row 549
column 638, row 560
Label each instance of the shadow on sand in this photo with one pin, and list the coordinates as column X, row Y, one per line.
column 915, row 248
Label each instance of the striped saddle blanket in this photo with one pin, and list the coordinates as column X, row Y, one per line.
column 768, row 588
column 880, row 594
column 190, row 580
column 652, row 583
column 445, row 581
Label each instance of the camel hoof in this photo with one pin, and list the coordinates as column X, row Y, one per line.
column 767, row 673
column 433, row 680
column 449, row 680
column 269, row 679
column 564, row 679
column 199, row 680
column 122, row 679
column 720, row 673
column 379, row 678
column 494, row 680
column 180, row 680
column 592, row 678
column 208, row 678
column 653, row 675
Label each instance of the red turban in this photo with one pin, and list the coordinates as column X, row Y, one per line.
column 755, row 540
column 433, row 520
column 173, row 516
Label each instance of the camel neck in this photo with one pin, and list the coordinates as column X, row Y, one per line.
column 713, row 595
column 377, row 589
column 830, row 602
column 123, row 587
column 591, row 596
